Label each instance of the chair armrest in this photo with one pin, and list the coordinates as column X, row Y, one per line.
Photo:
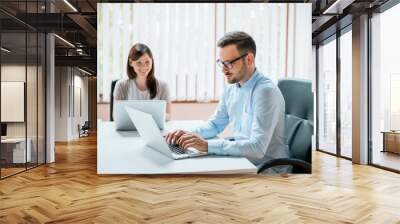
column 285, row 162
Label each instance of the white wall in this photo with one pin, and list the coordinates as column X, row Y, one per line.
column 61, row 103
column 71, row 94
column 12, row 73
column 80, row 103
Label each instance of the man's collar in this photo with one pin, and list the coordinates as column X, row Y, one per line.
column 251, row 82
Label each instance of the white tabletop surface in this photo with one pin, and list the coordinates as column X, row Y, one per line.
column 124, row 152
column 13, row 140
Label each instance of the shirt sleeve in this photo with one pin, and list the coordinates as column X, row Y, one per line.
column 268, row 106
column 119, row 92
column 217, row 123
column 164, row 95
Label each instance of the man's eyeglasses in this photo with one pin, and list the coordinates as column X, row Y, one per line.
column 229, row 64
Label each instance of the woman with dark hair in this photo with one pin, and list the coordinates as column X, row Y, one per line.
column 141, row 83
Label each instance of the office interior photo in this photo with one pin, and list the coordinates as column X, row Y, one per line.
column 60, row 61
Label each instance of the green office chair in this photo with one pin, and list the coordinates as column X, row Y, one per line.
column 299, row 114
column 112, row 99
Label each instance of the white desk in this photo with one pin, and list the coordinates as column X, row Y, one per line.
column 17, row 149
column 126, row 153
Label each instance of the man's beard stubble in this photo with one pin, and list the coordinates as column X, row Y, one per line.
column 238, row 77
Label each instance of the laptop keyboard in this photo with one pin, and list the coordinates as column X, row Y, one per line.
column 176, row 149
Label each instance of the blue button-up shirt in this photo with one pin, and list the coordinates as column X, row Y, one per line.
column 256, row 111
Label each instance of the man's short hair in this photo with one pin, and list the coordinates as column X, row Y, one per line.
column 243, row 41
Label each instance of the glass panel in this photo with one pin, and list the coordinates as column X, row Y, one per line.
column 31, row 101
column 346, row 94
column 32, row 88
column 386, row 89
column 23, row 90
column 41, row 99
column 327, row 97
column 13, row 74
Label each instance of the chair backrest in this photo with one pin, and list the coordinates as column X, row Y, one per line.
column 112, row 99
column 86, row 125
column 299, row 114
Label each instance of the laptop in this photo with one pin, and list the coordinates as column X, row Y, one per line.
column 154, row 107
column 147, row 128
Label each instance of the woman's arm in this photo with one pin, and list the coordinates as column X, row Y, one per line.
column 165, row 96
column 168, row 112
column 120, row 92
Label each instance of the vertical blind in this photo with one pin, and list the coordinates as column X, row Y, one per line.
column 183, row 36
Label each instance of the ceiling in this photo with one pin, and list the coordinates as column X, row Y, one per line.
column 329, row 16
column 76, row 25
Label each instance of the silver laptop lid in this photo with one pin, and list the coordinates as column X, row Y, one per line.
column 156, row 108
column 149, row 131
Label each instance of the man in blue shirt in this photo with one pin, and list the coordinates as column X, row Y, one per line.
column 252, row 103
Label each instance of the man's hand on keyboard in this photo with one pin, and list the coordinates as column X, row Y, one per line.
column 189, row 139
column 172, row 137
